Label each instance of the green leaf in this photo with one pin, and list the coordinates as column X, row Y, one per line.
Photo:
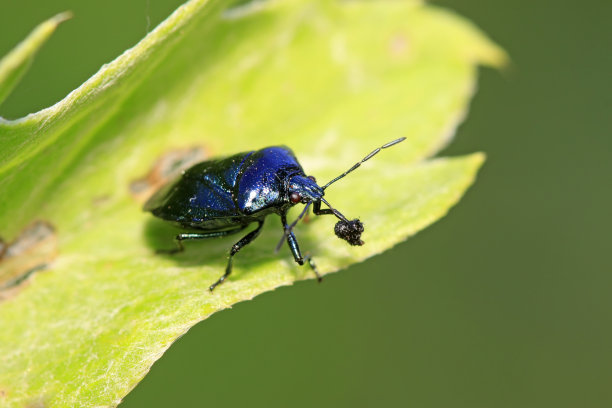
column 16, row 63
column 332, row 80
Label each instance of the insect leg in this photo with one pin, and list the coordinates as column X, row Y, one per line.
column 318, row 211
column 306, row 218
column 247, row 239
column 295, row 249
column 192, row 236
column 314, row 268
column 292, row 242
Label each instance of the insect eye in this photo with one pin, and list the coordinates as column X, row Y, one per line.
column 312, row 178
column 295, row 197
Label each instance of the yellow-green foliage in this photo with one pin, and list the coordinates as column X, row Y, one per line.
column 332, row 80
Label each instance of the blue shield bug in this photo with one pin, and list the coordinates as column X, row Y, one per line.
column 223, row 196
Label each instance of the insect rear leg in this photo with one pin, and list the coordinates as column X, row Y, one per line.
column 295, row 250
column 196, row 235
column 247, row 239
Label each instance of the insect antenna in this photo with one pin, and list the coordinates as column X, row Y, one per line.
column 356, row 165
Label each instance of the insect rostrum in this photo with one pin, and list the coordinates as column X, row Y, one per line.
column 223, row 196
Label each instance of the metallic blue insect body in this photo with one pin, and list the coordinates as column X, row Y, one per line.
column 219, row 197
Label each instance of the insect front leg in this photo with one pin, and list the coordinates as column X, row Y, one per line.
column 318, row 211
column 193, row 236
column 247, row 239
column 313, row 266
column 295, row 249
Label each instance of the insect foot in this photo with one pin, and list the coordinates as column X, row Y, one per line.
column 350, row 231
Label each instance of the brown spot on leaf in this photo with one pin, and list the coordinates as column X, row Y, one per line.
column 166, row 168
column 30, row 252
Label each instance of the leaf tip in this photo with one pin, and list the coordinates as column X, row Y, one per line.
column 474, row 163
column 61, row 17
column 14, row 65
column 479, row 158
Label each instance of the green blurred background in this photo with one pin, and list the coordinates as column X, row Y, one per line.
column 506, row 302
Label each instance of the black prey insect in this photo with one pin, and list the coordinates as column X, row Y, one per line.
column 220, row 197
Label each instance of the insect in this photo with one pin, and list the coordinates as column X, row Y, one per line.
column 224, row 196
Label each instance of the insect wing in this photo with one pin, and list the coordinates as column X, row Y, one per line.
column 204, row 192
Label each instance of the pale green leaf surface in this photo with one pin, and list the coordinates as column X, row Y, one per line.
column 327, row 79
column 14, row 65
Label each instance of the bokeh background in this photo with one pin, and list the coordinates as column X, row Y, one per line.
column 506, row 302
